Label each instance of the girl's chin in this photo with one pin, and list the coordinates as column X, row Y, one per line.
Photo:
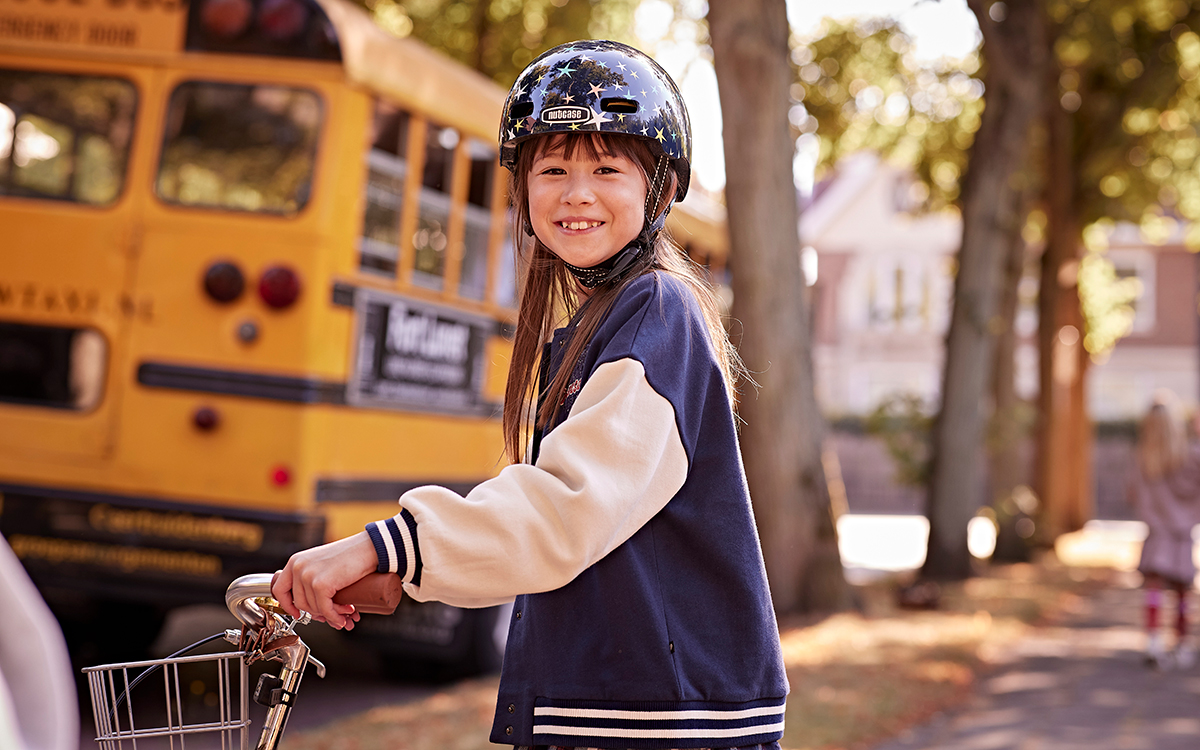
column 583, row 260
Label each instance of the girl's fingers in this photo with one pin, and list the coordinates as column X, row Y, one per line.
column 312, row 577
column 281, row 590
column 348, row 614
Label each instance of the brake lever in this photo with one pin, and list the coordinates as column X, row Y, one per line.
column 320, row 666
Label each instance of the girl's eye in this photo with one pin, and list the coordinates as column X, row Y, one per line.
column 608, row 170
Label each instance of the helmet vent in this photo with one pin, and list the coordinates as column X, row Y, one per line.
column 521, row 110
column 622, row 106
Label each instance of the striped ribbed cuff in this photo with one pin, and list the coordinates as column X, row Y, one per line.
column 395, row 541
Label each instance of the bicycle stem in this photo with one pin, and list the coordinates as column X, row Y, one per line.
column 295, row 657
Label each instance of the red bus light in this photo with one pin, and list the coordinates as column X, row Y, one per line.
column 279, row 287
column 223, row 281
column 225, row 19
column 280, row 476
column 280, row 20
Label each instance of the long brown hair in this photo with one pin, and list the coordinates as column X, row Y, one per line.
column 547, row 292
column 1162, row 442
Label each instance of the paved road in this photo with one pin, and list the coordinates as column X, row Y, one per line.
column 1081, row 685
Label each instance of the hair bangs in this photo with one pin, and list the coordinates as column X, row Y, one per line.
column 596, row 146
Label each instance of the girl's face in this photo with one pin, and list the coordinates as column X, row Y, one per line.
column 585, row 209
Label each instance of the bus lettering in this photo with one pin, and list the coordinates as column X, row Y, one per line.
column 427, row 336
column 98, row 25
column 123, row 558
column 106, row 35
column 49, row 299
column 35, row 29
column 241, row 534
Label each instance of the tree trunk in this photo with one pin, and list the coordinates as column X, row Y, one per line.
column 990, row 218
column 1004, row 472
column 1006, row 465
column 782, row 434
column 1064, row 434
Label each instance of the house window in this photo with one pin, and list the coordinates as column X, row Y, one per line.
column 903, row 294
column 1138, row 264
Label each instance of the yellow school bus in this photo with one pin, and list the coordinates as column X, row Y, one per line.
column 256, row 281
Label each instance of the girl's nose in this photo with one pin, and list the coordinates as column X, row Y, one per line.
column 578, row 190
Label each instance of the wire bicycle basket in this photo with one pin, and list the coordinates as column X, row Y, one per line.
column 187, row 705
column 175, row 712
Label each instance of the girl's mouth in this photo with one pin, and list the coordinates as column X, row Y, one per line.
column 577, row 225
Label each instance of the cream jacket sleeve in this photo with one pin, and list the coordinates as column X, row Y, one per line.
column 600, row 475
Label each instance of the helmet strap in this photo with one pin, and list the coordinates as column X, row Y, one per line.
column 655, row 191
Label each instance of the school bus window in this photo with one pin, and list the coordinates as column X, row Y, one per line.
column 433, row 218
column 64, row 137
column 239, row 147
column 386, row 169
column 505, row 285
column 478, row 220
column 51, row 366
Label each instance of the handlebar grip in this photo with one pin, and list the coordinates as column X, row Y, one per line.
column 373, row 594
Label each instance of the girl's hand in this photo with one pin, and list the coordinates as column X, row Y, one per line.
column 311, row 578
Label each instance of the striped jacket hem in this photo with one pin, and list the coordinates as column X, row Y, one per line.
column 666, row 725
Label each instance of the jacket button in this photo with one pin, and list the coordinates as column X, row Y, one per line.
column 672, row 645
column 508, row 730
column 518, row 615
column 512, row 708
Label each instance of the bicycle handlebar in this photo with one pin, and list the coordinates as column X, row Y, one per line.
column 374, row 594
column 240, row 596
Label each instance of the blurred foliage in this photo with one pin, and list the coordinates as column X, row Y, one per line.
column 500, row 37
column 859, row 87
column 1128, row 74
column 1106, row 297
column 903, row 422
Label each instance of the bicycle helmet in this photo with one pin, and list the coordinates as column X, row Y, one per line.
column 598, row 85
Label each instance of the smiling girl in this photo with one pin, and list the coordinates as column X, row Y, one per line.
column 624, row 529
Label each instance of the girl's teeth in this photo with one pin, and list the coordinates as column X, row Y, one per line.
column 580, row 224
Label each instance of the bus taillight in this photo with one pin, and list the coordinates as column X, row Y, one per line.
column 224, row 282
column 226, row 19
column 279, row 286
column 281, row 20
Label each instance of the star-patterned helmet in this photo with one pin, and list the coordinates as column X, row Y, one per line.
column 598, row 85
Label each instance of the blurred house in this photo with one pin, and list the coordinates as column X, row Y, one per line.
column 884, row 287
column 883, row 281
column 1161, row 351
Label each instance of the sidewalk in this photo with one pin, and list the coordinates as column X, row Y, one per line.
column 1079, row 683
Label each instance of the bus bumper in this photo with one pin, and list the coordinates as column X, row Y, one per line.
column 87, row 546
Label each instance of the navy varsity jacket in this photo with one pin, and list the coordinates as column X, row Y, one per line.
column 642, row 615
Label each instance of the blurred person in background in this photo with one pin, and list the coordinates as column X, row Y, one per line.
column 38, row 709
column 1163, row 489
